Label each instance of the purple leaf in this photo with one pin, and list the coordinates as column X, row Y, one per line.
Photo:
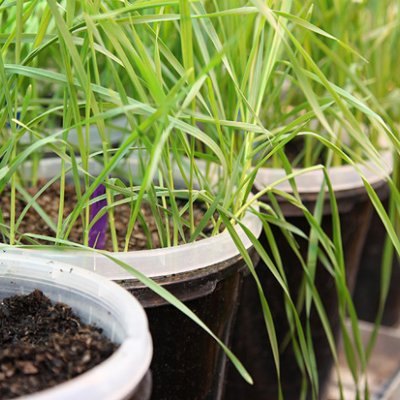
column 97, row 233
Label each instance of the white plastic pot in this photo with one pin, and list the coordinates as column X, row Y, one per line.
column 99, row 302
column 343, row 178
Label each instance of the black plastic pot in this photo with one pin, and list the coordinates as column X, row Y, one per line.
column 144, row 389
column 367, row 290
column 188, row 363
column 250, row 341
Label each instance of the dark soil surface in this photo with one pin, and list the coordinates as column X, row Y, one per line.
column 49, row 202
column 43, row 344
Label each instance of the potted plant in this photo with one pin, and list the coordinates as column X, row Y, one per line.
column 191, row 109
column 372, row 29
column 375, row 295
column 153, row 189
column 95, row 301
column 314, row 113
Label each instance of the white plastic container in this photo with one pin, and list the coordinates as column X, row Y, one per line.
column 99, row 302
column 343, row 178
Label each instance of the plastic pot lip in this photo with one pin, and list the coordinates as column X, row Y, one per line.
column 156, row 263
column 343, row 178
column 120, row 374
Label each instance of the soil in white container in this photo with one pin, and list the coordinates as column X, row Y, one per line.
column 44, row 344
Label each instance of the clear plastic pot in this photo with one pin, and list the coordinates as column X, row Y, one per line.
column 99, row 302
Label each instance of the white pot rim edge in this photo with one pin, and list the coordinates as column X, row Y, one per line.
column 342, row 178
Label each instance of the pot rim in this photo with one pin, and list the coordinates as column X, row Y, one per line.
column 120, row 374
column 343, row 178
column 154, row 263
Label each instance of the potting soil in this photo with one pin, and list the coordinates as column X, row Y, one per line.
column 43, row 344
column 49, row 202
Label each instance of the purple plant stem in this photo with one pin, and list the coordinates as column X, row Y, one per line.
column 97, row 233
